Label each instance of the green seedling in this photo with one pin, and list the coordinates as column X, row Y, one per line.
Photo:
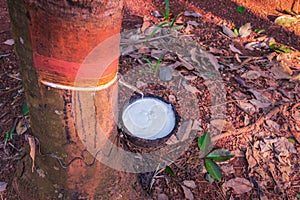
column 236, row 31
column 169, row 171
column 259, row 31
column 152, row 66
column 278, row 48
column 292, row 140
column 218, row 155
column 167, row 16
column 8, row 136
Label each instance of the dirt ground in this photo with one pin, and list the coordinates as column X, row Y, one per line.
column 262, row 125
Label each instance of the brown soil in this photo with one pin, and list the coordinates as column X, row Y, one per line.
column 284, row 95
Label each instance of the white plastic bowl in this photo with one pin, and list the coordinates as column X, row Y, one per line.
column 149, row 118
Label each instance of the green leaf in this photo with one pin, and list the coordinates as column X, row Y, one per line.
column 241, row 9
column 158, row 63
column 204, row 141
column 148, row 61
column 213, row 169
column 177, row 27
column 220, row 155
column 278, row 48
column 167, row 14
column 292, row 140
column 283, row 49
column 298, row 195
column 25, row 109
column 259, row 31
column 156, row 29
column 236, row 32
column 174, row 20
column 169, row 171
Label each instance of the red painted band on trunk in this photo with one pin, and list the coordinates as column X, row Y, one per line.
column 68, row 73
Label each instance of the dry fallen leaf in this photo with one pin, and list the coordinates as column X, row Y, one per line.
column 185, row 64
column 245, row 30
column 190, row 88
column 32, row 145
column 250, row 158
column 272, row 124
column 187, row 193
column 280, row 72
column 9, row 42
column 234, row 49
column 3, row 186
column 190, row 184
column 259, row 96
column 239, row 185
column 184, row 130
column 218, row 123
column 194, row 23
column 227, row 169
column 259, row 104
column 247, row 107
column 228, row 31
column 21, row 127
column 251, row 75
column 191, row 14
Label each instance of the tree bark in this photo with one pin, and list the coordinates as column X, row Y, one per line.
column 53, row 39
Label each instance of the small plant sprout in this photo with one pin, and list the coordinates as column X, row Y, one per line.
column 218, row 155
column 156, row 66
column 167, row 16
column 278, row 48
column 259, row 31
column 9, row 135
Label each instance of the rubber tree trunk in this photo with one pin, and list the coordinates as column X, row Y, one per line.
column 53, row 38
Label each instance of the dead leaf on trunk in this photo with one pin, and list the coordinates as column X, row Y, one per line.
column 239, row 185
column 187, row 193
column 32, row 145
